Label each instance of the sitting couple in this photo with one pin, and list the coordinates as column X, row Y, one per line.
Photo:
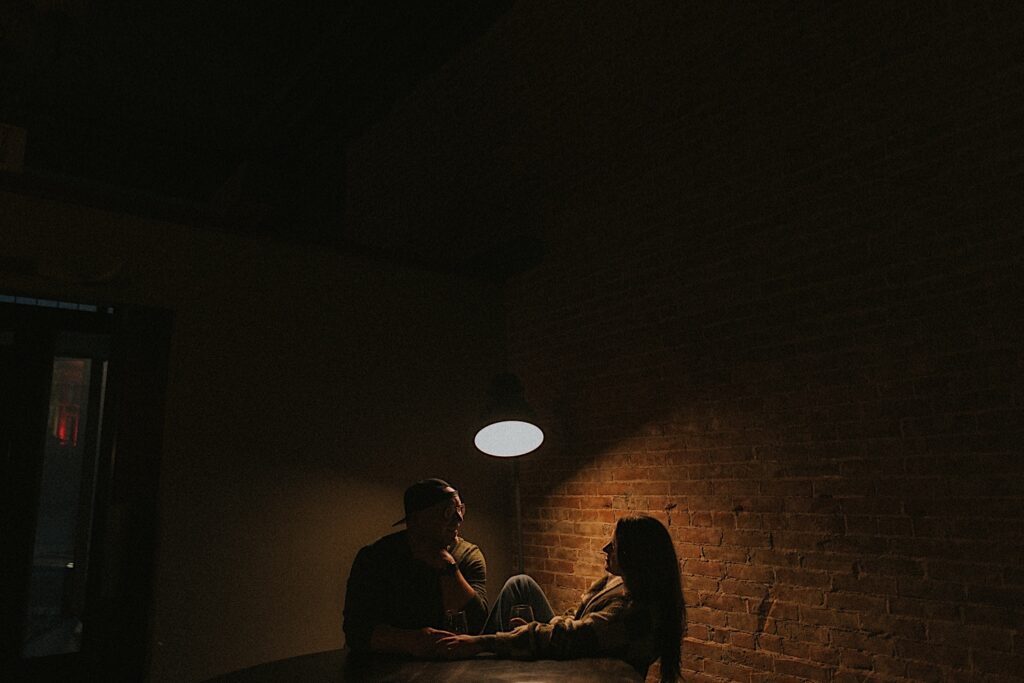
column 401, row 587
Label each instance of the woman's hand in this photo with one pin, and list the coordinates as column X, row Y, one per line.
column 516, row 622
column 459, row 647
column 424, row 643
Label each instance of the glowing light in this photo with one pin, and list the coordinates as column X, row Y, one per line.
column 509, row 438
column 67, row 424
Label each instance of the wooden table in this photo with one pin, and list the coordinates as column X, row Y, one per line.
column 337, row 666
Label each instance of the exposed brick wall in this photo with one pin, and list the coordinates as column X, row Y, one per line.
column 782, row 294
column 791, row 309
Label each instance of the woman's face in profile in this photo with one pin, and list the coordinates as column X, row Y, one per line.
column 611, row 561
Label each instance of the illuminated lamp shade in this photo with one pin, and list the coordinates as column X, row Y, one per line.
column 509, row 438
column 509, row 426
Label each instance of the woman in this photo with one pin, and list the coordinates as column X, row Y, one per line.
column 634, row 612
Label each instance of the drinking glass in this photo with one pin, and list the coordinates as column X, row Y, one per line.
column 524, row 612
column 455, row 622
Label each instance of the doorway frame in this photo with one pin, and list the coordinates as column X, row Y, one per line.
column 119, row 585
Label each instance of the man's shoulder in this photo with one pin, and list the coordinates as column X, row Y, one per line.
column 388, row 545
column 466, row 550
column 463, row 544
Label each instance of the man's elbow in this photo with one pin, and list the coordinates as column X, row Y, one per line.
column 358, row 640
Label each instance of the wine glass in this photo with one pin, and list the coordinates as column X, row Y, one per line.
column 524, row 612
column 455, row 622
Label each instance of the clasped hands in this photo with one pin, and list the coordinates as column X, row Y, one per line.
column 435, row 643
column 432, row 643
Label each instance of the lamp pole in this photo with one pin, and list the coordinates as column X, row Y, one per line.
column 519, row 516
column 509, row 430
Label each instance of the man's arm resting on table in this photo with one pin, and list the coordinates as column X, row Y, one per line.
column 416, row 642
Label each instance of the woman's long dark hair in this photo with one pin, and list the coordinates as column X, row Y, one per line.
column 650, row 571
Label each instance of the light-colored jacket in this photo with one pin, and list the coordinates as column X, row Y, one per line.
column 607, row 623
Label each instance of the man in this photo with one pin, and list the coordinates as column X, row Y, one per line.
column 401, row 587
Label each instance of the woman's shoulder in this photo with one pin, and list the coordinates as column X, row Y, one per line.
column 606, row 594
column 607, row 583
column 615, row 603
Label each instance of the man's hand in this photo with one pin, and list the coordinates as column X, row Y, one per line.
column 424, row 643
column 459, row 647
column 438, row 558
column 516, row 622
column 420, row 642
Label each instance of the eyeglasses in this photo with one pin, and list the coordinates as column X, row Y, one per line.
column 451, row 510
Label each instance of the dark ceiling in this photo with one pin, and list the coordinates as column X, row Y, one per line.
column 228, row 113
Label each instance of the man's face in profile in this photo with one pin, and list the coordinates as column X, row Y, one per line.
column 443, row 520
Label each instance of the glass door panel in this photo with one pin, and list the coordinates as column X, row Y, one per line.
column 75, row 568
column 56, row 599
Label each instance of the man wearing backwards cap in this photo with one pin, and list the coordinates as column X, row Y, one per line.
column 400, row 587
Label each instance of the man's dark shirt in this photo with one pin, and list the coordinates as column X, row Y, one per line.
column 388, row 586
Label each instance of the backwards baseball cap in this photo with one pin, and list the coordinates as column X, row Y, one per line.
column 424, row 494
